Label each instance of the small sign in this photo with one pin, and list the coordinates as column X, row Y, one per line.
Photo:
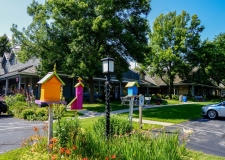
column 141, row 100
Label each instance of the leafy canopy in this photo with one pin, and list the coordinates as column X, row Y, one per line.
column 77, row 34
column 5, row 45
column 172, row 39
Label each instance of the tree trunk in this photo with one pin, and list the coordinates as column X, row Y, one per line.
column 91, row 89
column 171, row 89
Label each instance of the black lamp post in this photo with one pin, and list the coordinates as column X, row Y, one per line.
column 107, row 67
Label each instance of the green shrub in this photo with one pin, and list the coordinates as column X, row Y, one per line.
column 17, row 108
column 175, row 97
column 28, row 112
column 19, row 97
column 118, row 125
column 67, row 130
column 10, row 100
column 59, row 110
column 41, row 112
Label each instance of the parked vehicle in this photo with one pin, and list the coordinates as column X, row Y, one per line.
column 3, row 107
column 213, row 111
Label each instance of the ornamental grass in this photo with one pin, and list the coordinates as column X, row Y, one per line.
column 72, row 142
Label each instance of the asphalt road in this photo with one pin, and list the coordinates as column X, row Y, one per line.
column 13, row 131
column 208, row 136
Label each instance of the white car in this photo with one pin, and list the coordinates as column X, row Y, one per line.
column 213, row 111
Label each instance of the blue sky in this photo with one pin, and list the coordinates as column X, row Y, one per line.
column 210, row 12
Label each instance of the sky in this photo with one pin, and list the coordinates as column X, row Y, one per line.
column 210, row 12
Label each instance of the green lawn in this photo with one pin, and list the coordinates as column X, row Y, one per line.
column 116, row 105
column 87, row 123
column 100, row 107
column 172, row 114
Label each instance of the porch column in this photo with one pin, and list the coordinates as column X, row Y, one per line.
column 174, row 90
column 193, row 90
column 6, row 86
column 39, row 88
column 121, row 91
column 147, row 91
column 19, row 82
column 98, row 88
column 30, row 88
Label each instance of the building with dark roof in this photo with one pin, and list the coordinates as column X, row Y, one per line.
column 17, row 75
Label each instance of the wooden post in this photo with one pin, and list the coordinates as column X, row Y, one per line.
column 131, row 109
column 141, row 103
column 140, row 117
column 50, row 126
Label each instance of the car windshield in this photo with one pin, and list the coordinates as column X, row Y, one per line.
column 221, row 104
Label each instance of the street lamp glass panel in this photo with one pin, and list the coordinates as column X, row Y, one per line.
column 108, row 65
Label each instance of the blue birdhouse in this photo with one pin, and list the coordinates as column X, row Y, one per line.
column 132, row 88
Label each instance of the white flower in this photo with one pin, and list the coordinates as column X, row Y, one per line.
column 188, row 131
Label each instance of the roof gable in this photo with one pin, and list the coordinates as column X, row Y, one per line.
column 49, row 76
column 131, row 84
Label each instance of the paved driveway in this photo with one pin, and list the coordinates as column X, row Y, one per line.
column 208, row 136
column 13, row 130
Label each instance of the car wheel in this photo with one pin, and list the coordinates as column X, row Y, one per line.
column 212, row 114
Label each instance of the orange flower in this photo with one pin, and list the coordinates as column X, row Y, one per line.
column 62, row 150
column 50, row 146
column 68, row 151
column 113, row 156
column 74, row 147
column 54, row 157
column 106, row 158
column 85, row 158
column 45, row 127
column 35, row 129
column 54, row 140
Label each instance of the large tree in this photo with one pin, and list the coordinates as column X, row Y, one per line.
column 172, row 39
column 77, row 34
column 5, row 45
column 211, row 59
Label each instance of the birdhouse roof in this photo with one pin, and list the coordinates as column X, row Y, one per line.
column 49, row 76
column 80, row 83
column 72, row 101
column 131, row 84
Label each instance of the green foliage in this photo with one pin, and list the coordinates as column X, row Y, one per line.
column 67, row 130
column 17, row 108
column 175, row 97
column 118, row 125
column 208, row 62
column 28, row 112
column 5, row 45
column 59, row 110
column 41, row 112
column 172, row 39
column 57, row 32
column 34, row 156
column 14, row 154
column 19, row 97
column 10, row 100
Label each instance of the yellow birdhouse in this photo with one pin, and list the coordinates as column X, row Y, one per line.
column 51, row 87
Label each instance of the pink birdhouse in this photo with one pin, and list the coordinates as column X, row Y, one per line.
column 77, row 102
